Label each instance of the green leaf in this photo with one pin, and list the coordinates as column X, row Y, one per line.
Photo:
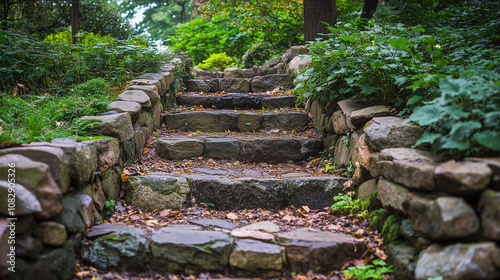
column 459, row 135
column 398, row 43
column 489, row 138
column 455, row 87
column 347, row 38
column 427, row 137
column 427, row 114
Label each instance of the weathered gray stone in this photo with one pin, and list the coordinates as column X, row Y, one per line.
column 150, row 90
column 190, row 251
column 494, row 165
column 366, row 189
column 360, row 117
column 156, row 192
column 77, row 212
column 329, row 142
column 489, row 208
column 348, row 106
column 323, row 251
column 270, row 82
column 341, row 155
column 249, row 121
column 123, row 248
column 157, row 77
column 214, row 223
column 147, row 82
column 412, row 237
column 202, row 120
column 459, row 262
column 316, row 112
column 194, row 85
column 299, row 63
column 284, row 121
column 145, row 121
column 363, row 153
column 234, row 85
column 228, row 194
column 138, row 96
column 441, row 218
column 409, row 167
column 339, row 122
column 118, row 126
column 391, row 132
column 353, row 146
column 110, row 182
column 195, row 100
column 252, row 257
column 247, row 73
column 130, row 107
column 156, row 114
column 314, row 192
column 179, row 147
column 311, row 148
column 203, row 74
column 275, row 102
column 55, row 157
column 52, row 233
column 232, row 72
column 35, row 176
column 253, row 234
column 18, row 199
column 108, row 153
column 265, row 226
column 28, row 246
column 238, row 101
column 221, row 148
column 262, row 149
column 360, row 175
column 292, row 52
column 139, row 139
column 128, row 150
column 463, row 178
column 403, row 257
column 392, row 195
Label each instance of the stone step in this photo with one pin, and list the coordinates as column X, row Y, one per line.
column 242, row 85
column 259, row 249
column 243, row 148
column 163, row 190
column 237, row 101
column 223, row 120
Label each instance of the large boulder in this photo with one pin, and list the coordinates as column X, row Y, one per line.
column 442, row 218
column 463, row 178
column 459, row 262
column 118, row 126
column 156, row 192
column 391, row 132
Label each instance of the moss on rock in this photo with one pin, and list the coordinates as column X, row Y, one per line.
column 392, row 229
column 377, row 219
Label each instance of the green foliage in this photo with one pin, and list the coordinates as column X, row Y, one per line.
column 84, row 38
column 97, row 86
column 463, row 119
column 376, row 270
column 109, row 208
column 257, row 54
column 377, row 219
column 345, row 205
column 216, row 62
column 392, row 229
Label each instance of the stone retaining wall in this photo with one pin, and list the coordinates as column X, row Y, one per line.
column 64, row 187
column 438, row 218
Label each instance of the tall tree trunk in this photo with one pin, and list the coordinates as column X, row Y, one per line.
column 369, row 8
column 75, row 24
column 315, row 13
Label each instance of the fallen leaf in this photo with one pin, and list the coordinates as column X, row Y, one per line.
column 81, row 274
column 146, row 151
column 359, row 232
column 359, row 262
column 333, row 227
column 124, row 177
column 232, row 216
column 306, row 208
column 380, row 254
column 135, row 217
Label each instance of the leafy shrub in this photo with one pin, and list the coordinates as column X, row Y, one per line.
column 93, row 87
column 376, row 270
column 345, row 205
column 216, row 62
column 84, row 38
column 257, row 54
column 464, row 118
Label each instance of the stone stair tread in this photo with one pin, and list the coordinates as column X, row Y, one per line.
column 237, row 100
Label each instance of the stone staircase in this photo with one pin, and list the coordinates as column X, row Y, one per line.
column 235, row 128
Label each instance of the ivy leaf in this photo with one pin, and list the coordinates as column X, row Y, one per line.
column 426, row 115
column 428, row 137
column 459, row 135
column 489, row 138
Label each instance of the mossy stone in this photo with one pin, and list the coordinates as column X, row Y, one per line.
column 392, row 229
column 377, row 219
column 374, row 202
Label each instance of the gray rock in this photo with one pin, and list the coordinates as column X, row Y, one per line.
column 292, row 52
column 311, row 148
column 138, row 96
column 118, row 126
column 494, row 165
column 360, row 175
column 284, row 121
column 221, row 148
column 194, row 85
column 203, row 74
column 403, row 257
column 36, row 177
column 316, row 112
column 145, row 121
column 124, row 249
column 262, row 149
column 128, row 150
column 214, row 223
column 322, row 251
column 238, row 101
column 228, row 194
column 275, row 102
column 147, row 82
column 265, row 226
column 139, row 140
column 392, row 195
column 270, row 82
column 339, row 122
column 252, row 257
column 360, row 117
column 28, row 246
column 463, row 178
column 77, row 212
column 363, row 153
column 23, row 201
column 157, row 77
column 234, row 85
column 58, row 161
column 341, row 155
column 52, row 233
column 130, row 107
column 179, row 148
column 409, row 167
column 156, row 192
column 253, row 234
column 110, row 182
column 108, row 153
column 232, row 72
column 314, row 192
column 247, row 73
column 366, row 189
column 459, row 262
column 195, row 100
column 348, row 106
column 329, row 142
column 299, row 63
column 353, row 146
column 190, row 251
column 156, row 114
column 202, row 120
column 150, row 90
column 391, row 132
column 489, row 208
column 249, row 121
column 442, row 218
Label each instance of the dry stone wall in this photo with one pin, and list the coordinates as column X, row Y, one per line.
column 440, row 218
column 62, row 187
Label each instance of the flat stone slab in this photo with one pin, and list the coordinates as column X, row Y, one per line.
column 138, row 96
column 253, row 257
column 217, row 121
column 270, row 82
column 214, row 223
column 360, row 117
column 391, row 132
column 248, row 149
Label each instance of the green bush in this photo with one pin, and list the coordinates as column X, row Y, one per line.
column 257, row 54
column 84, row 38
column 216, row 62
column 345, row 205
column 97, row 86
column 376, row 270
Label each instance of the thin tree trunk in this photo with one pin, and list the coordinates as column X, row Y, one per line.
column 75, row 24
column 315, row 13
column 369, row 8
